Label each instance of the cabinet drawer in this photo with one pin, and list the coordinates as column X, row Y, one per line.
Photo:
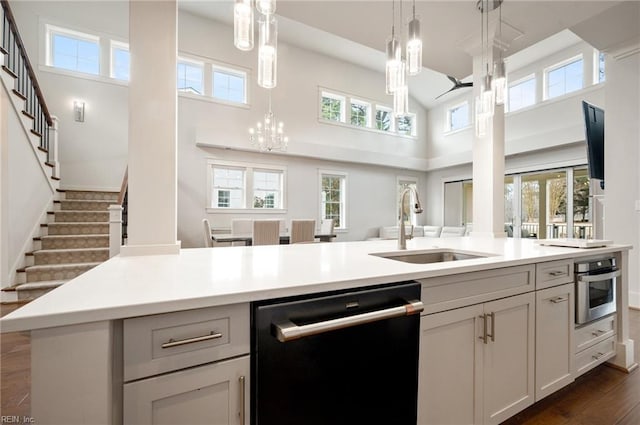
column 449, row 292
column 554, row 273
column 165, row 342
column 594, row 332
column 595, row 355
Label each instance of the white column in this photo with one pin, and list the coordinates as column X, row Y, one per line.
column 53, row 146
column 115, row 230
column 488, row 168
column 152, row 208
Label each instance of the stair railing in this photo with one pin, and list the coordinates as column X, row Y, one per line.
column 16, row 63
column 118, row 218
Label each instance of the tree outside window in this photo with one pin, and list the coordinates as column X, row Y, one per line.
column 405, row 125
column 359, row 114
column 383, row 119
column 332, row 108
column 332, row 195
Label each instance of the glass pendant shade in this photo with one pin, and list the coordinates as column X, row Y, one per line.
column 481, row 118
column 267, row 52
column 394, row 71
column 499, row 81
column 487, row 99
column 266, row 7
column 401, row 101
column 243, row 25
column 414, row 48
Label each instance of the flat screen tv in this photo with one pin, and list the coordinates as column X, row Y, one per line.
column 594, row 134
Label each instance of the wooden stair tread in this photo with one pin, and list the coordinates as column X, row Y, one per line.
column 10, row 72
column 44, row 284
column 70, row 250
column 28, row 115
column 93, row 235
column 62, row 266
column 20, row 95
column 74, row 223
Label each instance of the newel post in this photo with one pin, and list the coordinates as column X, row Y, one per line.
column 115, row 229
column 53, row 146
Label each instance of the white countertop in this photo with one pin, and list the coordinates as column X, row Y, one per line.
column 140, row 285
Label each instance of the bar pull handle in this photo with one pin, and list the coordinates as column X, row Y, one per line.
column 558, row 300
column 598, row 332
column 597, row 356
column 493, row 326
column 484, row 328
column 171, row 343
column 289, row 331
column 599, row 277
column 557, row 273
column 242, row 398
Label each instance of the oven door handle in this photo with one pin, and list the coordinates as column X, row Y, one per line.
column 598, row 277
column 289, row 331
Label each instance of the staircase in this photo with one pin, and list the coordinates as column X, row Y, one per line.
column 74, row 240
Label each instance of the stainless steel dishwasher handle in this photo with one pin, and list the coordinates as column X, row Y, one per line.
column 289, row 331
column 599, row 277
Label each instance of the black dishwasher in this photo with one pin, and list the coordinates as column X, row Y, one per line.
column 337, row 358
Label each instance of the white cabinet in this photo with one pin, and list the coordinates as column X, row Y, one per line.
column 188, row 367
column 595, row 343
column 477, row 362
column 216, row 394
column 555, row 317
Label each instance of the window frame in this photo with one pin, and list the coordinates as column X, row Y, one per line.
column 52, row 30
column 449, row 121
column 413, row 132
column 248, row 186
column 233, row 72
column 343, row 106
column 557, row 66
column 343, row 197
column 392, row 121
column 367, row 117
column 114, row 44
column 191, row 62
column 596, row 67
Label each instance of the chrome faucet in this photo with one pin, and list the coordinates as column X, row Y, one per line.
column 402, row 238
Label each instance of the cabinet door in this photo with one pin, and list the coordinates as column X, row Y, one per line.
column 215, row 394
column 554, row 339
column 448, row 376
column 508, row 384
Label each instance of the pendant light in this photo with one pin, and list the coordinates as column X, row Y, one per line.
column 401, row 92
column 499, row 79
column 267, row 51
column 394, row 57
column 414, row 45
column 266, row 7
column 243, row 25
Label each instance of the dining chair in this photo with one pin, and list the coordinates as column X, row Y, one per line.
column 241, row 226
column 452, row 231
column 432, row 231
column 208, row 241
column 266, row 232
column 327, row 226
column 302, row 231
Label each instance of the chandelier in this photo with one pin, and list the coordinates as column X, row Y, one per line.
column 267, row 135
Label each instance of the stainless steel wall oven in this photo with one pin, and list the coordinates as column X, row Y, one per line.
column 595, row 289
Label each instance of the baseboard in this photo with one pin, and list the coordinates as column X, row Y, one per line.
column 634, row 300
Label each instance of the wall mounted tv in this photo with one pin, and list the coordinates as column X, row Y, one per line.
column 594, row 134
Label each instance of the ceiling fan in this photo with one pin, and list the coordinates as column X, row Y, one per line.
column 457, row 84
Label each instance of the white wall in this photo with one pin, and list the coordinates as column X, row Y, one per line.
column 622, row 156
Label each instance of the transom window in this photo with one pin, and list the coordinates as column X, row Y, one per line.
column 235, row 185
column 360, row 113
column 190, row 77
column 600, row 77
column 458, row 117
column 384, row 118
column 74, row 51
column 119, row 61
column 229, row 85
column 564, row 78
column 333, row 198
column 405, row 125
column 332, row 107
column 522, row 94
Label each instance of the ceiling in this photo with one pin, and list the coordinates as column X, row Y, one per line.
column 356, row 31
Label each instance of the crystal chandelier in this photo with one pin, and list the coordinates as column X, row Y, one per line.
column 267, row 135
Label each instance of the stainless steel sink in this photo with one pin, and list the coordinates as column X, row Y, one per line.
column 433, row 256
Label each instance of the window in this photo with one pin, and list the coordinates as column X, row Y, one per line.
column 242, row 186
column 190, row 77
column 360, row 113
column 405, row 125
column 228, row 187
column 332, row 107
column 229, row 85
column 384, row 118
column 458, row 117
column 333, row 198
column 74, row 51
column 600, row 78
column 267, row 189
column 119, row 61
column 522, row 94
column 564, row 78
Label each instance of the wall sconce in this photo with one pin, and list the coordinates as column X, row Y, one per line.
column 78, row 111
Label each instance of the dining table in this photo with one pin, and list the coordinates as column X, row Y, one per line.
column 247, row 238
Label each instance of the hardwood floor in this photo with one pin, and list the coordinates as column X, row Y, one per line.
column 603, row 396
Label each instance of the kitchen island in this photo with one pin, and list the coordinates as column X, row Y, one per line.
column 79, row 353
